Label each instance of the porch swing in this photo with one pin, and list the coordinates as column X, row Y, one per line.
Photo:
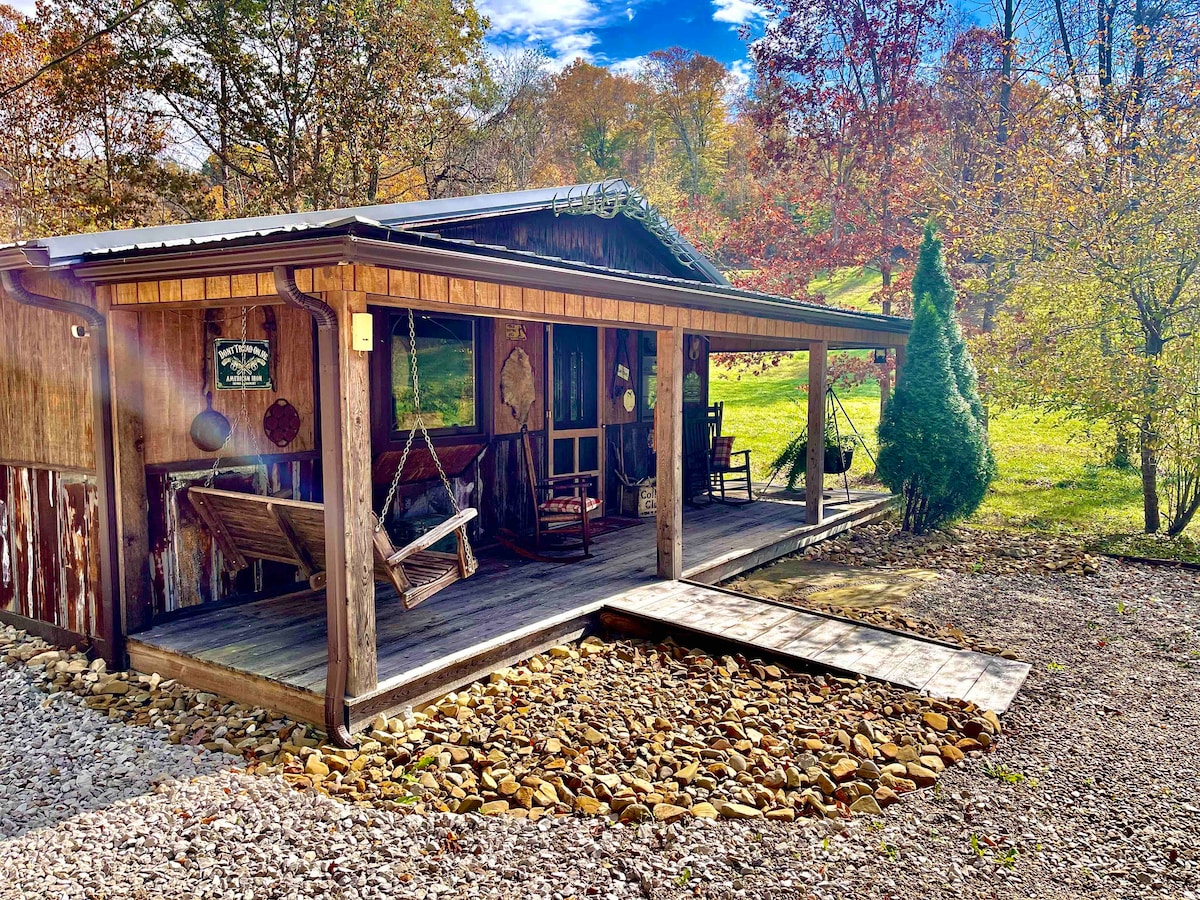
column 293, row 531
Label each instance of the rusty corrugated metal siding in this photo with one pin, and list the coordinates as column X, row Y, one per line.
column 49, row 532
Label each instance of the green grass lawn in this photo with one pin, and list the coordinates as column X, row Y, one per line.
column 850, row 288
column 1050, row 476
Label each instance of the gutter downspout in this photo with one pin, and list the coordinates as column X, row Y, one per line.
column 332, row 479
column 111, row 627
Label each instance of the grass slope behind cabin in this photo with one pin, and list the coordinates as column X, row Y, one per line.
column 1051, row 477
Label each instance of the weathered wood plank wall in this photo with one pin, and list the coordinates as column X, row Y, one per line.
column 172, row 348
column 186, row 565
column 506, row 337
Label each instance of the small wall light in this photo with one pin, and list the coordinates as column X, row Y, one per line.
column 79, row 331
column 362, row 331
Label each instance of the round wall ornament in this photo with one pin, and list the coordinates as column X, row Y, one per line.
column 281, row 423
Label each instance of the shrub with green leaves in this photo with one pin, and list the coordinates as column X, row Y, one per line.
column 933, row 451
column 930, row 279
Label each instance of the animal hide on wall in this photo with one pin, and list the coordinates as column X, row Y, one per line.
column 516, row 384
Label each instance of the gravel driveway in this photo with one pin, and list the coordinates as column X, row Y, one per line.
column 1094, row 791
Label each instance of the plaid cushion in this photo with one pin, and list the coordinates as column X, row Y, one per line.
column 568, row 505
column 721, row 451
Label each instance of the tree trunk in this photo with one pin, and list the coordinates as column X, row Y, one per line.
column 1149, row 454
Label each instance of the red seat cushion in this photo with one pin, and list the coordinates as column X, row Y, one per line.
column 722, row 451
column 567, row 505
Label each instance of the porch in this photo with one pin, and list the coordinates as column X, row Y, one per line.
column 272, row 652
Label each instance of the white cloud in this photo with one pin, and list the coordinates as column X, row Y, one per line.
column 738, row 84
column 565, row 28
column 736, row 12
column 539, row 20
column 630, row 66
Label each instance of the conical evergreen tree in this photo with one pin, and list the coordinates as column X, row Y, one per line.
column 930, row 279
column 932, row 449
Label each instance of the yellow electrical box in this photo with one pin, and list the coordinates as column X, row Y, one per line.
column 362, row 331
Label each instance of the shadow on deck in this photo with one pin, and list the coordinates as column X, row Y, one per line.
column 271, row 652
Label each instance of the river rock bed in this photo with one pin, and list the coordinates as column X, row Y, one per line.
column 627, row 730
column 1093, row 792
column 638, row 731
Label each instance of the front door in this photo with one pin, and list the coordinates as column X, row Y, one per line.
column 574, row 444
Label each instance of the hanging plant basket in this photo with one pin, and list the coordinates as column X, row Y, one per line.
column 793, row 460
column 838, row 460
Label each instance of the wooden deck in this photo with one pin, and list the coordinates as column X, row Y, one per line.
column 272, row 652
column 810, row 639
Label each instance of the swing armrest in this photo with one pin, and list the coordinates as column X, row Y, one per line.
column 432, row 536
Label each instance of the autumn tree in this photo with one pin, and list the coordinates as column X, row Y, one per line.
column 318, row 103
column 595, row 117
column 1108, row 228
column 36, row 165
column 688, row 100
column 846, row 105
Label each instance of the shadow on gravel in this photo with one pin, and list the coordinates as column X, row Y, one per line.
column 58, row 758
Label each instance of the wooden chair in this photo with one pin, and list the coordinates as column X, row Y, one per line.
column 708, row 469
column 697, row 458
column 555, row 515
column 293, row 532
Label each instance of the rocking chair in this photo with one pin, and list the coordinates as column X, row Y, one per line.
column 555, row 515
column 711, row 466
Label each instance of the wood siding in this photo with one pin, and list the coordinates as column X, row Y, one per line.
column 617, row 243
column 534, row 344
column 171, row 347
column 45, row 389
column 49, row 534
column 403, row 287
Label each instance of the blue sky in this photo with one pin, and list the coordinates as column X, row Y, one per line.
column 618, row 32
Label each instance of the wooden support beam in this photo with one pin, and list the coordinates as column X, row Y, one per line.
column 814, row 477
column 668, row 444
column 901, row 357
column 307, row 567
column 133, row 508
column 349, row 411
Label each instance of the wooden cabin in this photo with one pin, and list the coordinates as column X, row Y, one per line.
column 573, row 312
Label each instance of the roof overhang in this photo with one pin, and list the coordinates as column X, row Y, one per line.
column 433, row 256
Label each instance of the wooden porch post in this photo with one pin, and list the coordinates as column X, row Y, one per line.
column 814, row 476
column 901, row 357
column 125, row 353
column 668, row 443
column 346, row 461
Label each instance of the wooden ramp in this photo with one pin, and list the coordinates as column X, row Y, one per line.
column 828, row 642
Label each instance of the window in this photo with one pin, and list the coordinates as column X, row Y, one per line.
column 648, row 369
column 446, row 358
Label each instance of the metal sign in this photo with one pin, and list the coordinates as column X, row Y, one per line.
column 242, row 365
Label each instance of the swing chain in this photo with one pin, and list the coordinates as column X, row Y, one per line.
column 419, row 423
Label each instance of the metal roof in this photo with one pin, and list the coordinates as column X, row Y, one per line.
column 68, row 250
column 835, row 314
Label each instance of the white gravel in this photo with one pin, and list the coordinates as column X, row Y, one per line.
column 1107, row 725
